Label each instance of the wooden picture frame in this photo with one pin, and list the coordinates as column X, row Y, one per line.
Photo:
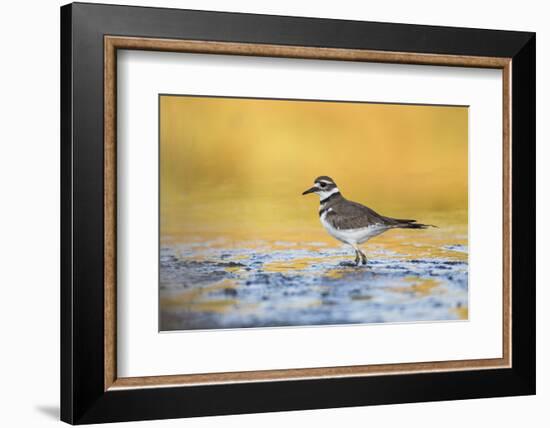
column 91, row 390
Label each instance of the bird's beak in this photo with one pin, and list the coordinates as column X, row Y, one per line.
column 311, row 190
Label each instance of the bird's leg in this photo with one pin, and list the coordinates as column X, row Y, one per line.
column 363, row 257
column 356, row 256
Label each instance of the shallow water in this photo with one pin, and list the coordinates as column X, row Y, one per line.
column 220, row 282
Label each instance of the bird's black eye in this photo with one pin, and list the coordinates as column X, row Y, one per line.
column 323, row 185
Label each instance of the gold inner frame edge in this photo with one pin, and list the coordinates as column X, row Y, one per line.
column 113, row 43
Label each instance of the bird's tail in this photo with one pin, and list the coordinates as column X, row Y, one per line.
column 409, row 224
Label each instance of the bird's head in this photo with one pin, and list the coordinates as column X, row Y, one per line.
column 324, row 187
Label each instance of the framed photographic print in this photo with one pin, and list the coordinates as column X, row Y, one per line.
column 264, row 213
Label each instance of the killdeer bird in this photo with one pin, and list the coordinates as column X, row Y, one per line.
column 350, row 222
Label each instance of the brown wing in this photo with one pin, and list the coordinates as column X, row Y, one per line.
column 351, row 215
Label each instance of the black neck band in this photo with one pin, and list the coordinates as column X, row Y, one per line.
column 322, row 201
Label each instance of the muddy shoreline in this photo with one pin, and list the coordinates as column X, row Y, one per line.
column 205, row 286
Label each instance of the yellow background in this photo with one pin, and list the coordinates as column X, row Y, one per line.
column 237, row 167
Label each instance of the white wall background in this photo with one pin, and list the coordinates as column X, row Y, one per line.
column 29, row 213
